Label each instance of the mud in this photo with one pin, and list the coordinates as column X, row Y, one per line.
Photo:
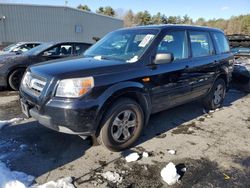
column 186, row 128
column 11, row 110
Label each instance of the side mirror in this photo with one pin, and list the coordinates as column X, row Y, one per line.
column 162, row 58
column 45, row 54
column 19, row 52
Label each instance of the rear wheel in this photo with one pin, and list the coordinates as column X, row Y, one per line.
column 216, row 95
column 122, row 125
column 15, row 78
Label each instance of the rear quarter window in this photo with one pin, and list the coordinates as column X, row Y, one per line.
column 221, row 43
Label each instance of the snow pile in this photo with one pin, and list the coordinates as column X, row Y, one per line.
column 112, row 177
column 14, row 179
column 61, row 183
column 169, row 174
column 132, row 157
column 145, row 154
column 171, row 151
column 8, row 122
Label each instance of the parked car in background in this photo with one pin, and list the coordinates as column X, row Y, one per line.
column 240, row 47
column 125, row 77
column 12, row 68
column 19, row 48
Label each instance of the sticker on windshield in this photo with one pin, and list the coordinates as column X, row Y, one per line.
column 146, row 40
column 132, row 60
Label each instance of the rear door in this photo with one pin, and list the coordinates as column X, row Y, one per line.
column 204, row 62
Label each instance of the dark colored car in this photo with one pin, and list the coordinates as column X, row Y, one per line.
column 125, row 77
column 19, row 48
column 12, row 68
column 241, row 49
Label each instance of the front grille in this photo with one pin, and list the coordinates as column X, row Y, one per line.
column 33, row 83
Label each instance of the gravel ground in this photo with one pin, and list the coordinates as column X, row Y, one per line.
column 214, row 148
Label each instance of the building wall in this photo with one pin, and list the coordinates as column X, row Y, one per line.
column 52, row 23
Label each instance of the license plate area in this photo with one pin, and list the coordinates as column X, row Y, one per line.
column 25, row 108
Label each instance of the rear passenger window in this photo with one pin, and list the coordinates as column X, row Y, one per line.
column 221, row 43
column 200, row 44
column 80, row 48
column 176, row 43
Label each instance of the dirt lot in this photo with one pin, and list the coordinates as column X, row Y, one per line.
column 214, row 147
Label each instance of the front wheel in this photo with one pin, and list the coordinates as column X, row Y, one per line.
column 216, row 96
column 122, row 125
column 15, row 78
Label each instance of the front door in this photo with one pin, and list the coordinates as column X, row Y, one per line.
column 170, row 82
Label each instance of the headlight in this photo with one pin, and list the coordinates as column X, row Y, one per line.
column 26, row 78
column 75, row 87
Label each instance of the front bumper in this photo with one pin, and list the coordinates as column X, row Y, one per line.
column 63, row 115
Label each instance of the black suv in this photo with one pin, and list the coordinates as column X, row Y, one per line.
column 126, row 76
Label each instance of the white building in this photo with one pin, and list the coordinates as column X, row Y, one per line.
column 21, row 22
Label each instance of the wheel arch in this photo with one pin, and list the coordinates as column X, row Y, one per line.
column 134, row 91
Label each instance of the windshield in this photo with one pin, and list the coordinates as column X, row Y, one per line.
column 124, row 45
column 37, row 50
column 10, row 47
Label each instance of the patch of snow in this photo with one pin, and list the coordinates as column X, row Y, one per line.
column 13, row 179
column 112, row 177
column 66, row 182
column 4, row 123
column 211, row 111
column 145, row 154
column 169, row 174
column 132, row 157
column 171, row 151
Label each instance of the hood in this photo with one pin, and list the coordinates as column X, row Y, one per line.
column 77, row 67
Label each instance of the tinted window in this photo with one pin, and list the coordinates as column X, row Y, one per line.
column 200, row 44
column 59, row 50
column 221, row 43
column 174, row 42
column 80, row 48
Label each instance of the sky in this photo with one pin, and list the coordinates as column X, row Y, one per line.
column 207, row 9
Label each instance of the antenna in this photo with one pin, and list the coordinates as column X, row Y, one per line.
column 66, row 3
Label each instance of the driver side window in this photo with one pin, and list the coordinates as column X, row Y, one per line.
column 174, row 42
column 59, row 50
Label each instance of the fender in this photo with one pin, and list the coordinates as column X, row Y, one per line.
column 127, row 89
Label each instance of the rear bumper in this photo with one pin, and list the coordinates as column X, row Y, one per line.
column 71, row 117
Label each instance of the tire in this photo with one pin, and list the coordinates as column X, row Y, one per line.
column 122, row 125
column 216, row 96
column 15, row 78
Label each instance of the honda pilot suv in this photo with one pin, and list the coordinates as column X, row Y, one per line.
column 112, row 90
